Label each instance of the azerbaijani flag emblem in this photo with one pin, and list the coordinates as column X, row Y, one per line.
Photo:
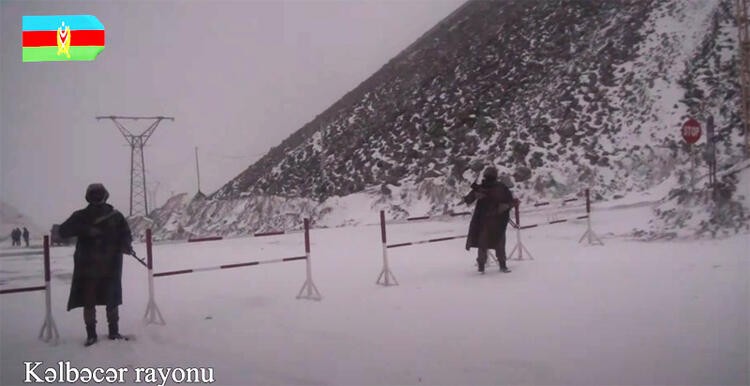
column 62, row 38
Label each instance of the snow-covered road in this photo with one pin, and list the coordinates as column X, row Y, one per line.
column 629, row 312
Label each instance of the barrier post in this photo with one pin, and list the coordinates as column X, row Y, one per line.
column 386, row 277
column 589, row 234
column 309, row 286
column 48, row 332
column 152, row 315
column 519, row 245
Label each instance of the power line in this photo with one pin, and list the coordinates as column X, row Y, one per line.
column 138, row 193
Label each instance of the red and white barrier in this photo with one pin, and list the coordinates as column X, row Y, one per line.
column 561, row 203
column 552, row 209
column 217, row 238
column 426, row 241
column 269, row 233
column 201, row 239
column 48, row 332
column 386, row 277
column 592, row 237
column 308, row 291
column 553, row 222
column 590, row 234
column 436, row 217
column 227, row 266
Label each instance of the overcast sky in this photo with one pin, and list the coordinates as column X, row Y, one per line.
column 238, row 76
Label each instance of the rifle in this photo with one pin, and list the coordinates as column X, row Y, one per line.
column 474, row 183
column 132, row 253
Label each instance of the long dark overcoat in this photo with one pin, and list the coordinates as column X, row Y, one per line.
column 487, row 226
column 103, row 235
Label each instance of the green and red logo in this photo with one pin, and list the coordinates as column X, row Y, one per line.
column 62, row 38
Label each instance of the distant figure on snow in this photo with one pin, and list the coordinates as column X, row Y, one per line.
column 490, row 218
column 15, row 236
column 25, row 236
column 103, row 237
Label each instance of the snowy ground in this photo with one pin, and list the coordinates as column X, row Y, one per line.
column 626, row 313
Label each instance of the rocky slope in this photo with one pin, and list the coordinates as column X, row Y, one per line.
column 559, row 94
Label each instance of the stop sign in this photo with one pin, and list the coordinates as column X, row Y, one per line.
column 691, row 131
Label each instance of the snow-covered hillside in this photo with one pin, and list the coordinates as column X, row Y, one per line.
column 561, row 95
column 628, row 312
column 719, row 212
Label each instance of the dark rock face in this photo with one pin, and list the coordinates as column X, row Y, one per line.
column 522, row 174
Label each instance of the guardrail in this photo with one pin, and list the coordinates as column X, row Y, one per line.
column 308, row 291
column 48, row 332
column 387, row 278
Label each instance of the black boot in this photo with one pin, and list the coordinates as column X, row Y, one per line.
column 114, row 333
column 481, row 259
column 91, row 337
column 500, row 254
column 89, row 318
column 112, row 318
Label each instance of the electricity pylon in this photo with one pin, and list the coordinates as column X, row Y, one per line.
column 138, row 194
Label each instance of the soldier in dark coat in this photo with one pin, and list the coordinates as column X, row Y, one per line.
column 26, row 236
column 490, row 218
column 16, row 237
column 103, row 236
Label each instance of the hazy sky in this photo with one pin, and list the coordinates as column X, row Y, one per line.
column 238, row 76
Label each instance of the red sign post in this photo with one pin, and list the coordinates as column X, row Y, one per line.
column 691, row 131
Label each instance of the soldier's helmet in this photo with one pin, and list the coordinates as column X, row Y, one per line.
column 490, row 172
column 96, row 193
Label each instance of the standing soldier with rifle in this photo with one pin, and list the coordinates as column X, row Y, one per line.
column 103, row 237
column 490, row 218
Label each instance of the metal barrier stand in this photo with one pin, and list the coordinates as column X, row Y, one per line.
column 48, row 332
column 153, row 314
column 386, row 277
column 589, row 234
column 519, row 247
column 309, row 286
